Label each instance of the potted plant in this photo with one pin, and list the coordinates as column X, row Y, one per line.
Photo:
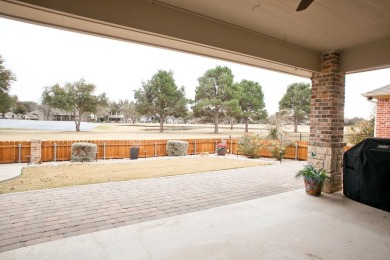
column 313, row 178
column 221, row 148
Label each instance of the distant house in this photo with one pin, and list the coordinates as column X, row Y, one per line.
column 34, row 115
column 382, row 119
column 173, row 120
column 66, row 116
column 10, row 115
column 145, row 119
column 116, row 118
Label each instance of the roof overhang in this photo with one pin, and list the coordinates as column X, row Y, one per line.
column 158, row 24
column 382, row 92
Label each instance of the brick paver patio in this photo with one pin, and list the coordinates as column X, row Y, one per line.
column 29, row 218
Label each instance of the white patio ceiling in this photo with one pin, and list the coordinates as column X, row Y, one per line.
column 263, row 33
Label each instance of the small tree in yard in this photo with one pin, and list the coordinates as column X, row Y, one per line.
column 296, row 102
column 77, row 98
column 160, row 97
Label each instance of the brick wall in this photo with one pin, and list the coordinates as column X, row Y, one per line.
column 383, row 118
column 327, row 120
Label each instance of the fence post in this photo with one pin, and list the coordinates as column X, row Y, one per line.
column 195, row 148
column 55, row 152
column 216, row 146
column 104, row 150
column 296, row 150
column 155, row 148
column 231, row 144
column 19, row 152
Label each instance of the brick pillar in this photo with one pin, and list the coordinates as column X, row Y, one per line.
column 36, row 152
column 327, row 120
column 383, row 118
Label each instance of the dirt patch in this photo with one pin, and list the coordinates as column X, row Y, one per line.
column 72, row 174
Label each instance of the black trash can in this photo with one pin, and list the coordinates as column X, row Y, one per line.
column 366, row 173
column 134, row 153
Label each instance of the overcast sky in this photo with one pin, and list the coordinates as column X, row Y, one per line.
column 41, row 56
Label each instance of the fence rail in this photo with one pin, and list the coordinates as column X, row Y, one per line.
column 59, row 150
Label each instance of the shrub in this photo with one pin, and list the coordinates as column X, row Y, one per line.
column 177, row 148
column 250, row 145
column 278, row 148
column 360, row 131
column 273, row 132
column 83, row 152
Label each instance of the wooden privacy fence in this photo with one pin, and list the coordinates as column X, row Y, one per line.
column 15, row 151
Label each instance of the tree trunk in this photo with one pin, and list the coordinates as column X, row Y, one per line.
column 231, row 123
column 78, row 126
column 161, row 124
column 295, row 125
column 77, row 122
column 246, row 124
column 216, row 122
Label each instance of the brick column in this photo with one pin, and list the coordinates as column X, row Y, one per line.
column 327, row 120
column 383, row 118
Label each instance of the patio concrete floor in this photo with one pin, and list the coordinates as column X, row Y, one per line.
column 289, row 225
column 28, row 218
column 217, row 215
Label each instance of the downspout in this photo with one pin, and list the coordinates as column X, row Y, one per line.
column 376, row 113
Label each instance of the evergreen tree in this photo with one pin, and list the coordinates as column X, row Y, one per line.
column 296, row 102
column 160, row 97
column 214, row 94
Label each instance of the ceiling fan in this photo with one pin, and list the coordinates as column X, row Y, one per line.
column 304, row 4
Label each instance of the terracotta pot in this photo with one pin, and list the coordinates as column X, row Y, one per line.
column 313, row 188
column 221, row 152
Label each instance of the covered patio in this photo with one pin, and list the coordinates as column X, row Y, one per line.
column 324, row 42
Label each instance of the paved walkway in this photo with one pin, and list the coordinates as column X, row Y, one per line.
column 11, row 170
column 34, row 217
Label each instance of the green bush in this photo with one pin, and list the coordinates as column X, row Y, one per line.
column 250, row 145
column 83, row 152
column 177, row 148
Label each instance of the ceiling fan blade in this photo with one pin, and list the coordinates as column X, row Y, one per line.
column 304, row 4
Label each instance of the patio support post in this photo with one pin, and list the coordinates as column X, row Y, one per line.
column 326, row 145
